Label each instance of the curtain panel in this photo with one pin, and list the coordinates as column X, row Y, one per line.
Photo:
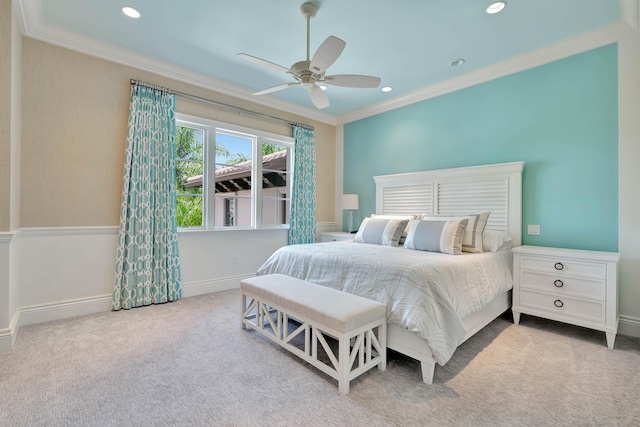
column 302, row 225
column 147, row 267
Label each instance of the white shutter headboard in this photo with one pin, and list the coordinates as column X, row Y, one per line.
column 496, row 188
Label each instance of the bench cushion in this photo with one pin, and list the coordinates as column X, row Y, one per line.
column 329, row 307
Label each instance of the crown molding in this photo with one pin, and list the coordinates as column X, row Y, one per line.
column 575, row 45
column 631, row 12
column 29, row 16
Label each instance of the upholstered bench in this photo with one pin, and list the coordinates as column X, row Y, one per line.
column 283, row 307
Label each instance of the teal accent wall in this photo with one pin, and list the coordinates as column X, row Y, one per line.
column 560, row 118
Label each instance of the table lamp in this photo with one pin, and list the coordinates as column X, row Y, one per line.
column 350, row 204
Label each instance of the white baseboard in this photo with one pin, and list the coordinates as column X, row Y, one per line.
column 210, row 286
column 8, row 336
column 101, row 303
column 79, row 307
column 629, row 326
column 64, row 309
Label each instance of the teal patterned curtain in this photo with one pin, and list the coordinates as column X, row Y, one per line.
column 302, row 225
column 147, row 268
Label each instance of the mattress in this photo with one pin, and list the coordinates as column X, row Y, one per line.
column 425, row 292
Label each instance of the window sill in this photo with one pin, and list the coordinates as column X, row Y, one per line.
column 226, row 230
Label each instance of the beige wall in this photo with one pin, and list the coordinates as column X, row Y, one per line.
column 75, row 110
column 16, row 124
column 5, row 112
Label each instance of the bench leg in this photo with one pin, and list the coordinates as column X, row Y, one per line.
column 243, row 307
column 343, row 364
column 382, row 339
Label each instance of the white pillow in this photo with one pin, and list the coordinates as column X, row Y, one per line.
column 436, row 235
column 378, row 231
column 472, row 241
column 494, row 241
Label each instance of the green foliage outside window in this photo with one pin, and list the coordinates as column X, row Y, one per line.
column 190, row 163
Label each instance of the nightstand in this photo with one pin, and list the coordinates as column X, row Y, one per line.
column 336, row 236
column 572, row 286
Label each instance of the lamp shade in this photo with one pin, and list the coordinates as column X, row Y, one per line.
column 350, row 202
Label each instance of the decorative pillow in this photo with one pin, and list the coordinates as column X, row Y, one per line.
column 407, row 217
column 472, row 241
column 378, row 231
column 436, row 235
column 494, row 241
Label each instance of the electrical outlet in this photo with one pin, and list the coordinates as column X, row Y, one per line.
column 533, row 229
column 235, row 260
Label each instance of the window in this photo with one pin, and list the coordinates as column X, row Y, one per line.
column 231, row 177
column 189, row 172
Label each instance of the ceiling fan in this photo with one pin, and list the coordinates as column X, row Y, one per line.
column 310, row 72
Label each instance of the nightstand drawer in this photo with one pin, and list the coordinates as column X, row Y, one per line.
column 564, row 285
column 563, row 306
column 564, row 266
column 335, row 236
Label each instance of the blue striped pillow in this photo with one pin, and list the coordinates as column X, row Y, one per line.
column 384, row 232
column 436, row 235
column 472, row 239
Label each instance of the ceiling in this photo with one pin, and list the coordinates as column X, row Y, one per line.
column 409, row 44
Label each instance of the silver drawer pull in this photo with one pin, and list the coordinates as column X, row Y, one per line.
column 559, row 266
column 558, row 303
column 558, row 283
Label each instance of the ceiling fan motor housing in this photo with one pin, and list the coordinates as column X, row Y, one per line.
column 302, row 72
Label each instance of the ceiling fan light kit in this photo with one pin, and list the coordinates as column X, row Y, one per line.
column 309, row 72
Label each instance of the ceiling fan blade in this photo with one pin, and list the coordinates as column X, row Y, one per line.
column 275, row 88
column 326, row 54
column 352, row 80
column 318, row 97
column 264, row 63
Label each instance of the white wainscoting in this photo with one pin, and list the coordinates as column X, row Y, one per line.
column 8, row 291
column 68, row 272
column 55, row 273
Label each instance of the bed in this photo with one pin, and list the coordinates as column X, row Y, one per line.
column 435, row 301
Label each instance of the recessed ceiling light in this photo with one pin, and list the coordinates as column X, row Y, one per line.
column 323, row 87
column 456, row 62
column 496, row 7
column 130, row 12
column 387, row 89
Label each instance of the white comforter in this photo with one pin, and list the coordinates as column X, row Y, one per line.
column 425, row 292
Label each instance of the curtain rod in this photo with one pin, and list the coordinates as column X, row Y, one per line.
column 220, row 104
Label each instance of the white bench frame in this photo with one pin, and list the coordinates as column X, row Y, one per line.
column 272, row 321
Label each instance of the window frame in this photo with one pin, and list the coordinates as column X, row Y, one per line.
column 257, row 137
column 202, row 195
